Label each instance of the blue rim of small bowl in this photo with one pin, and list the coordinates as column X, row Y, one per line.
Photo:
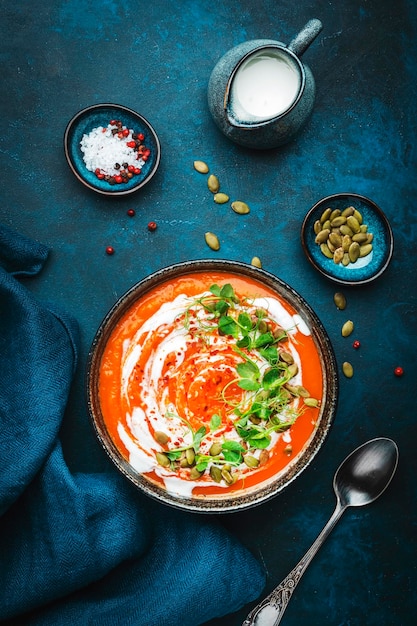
column 363, row 271
column 100, row 115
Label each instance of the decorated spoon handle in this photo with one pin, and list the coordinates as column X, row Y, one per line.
column 271, row 609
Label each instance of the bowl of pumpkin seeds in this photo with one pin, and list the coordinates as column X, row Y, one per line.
column 347, row 238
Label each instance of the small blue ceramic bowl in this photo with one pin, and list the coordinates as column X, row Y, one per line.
column 365, row 269
column 100, row 115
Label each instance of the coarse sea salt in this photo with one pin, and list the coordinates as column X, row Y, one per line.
column 102, row 150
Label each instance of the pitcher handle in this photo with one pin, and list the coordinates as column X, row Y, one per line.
column 305, row 37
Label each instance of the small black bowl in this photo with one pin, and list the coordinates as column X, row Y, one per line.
column 364, row 270
column 100, row 115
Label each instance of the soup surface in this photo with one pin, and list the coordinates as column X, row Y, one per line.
column 210, row 383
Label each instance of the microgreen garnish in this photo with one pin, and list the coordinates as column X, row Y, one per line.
column 215, row 422
column 263, row 374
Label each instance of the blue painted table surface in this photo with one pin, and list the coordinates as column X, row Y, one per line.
column 156, row 57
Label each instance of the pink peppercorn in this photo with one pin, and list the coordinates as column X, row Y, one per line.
column 356, row 344
column 152, row 226
column 398, row 371
column 131, row 212
column 109, row 250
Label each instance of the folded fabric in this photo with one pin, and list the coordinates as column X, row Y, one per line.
column 89, row 548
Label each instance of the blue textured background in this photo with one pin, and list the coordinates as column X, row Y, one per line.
column 156, row 58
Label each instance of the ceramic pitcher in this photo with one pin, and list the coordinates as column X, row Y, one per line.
column 260, row 94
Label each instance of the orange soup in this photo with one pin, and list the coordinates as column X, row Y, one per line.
column 210, row 383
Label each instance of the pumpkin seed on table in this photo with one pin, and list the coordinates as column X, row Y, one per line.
column 213, row 183
column 256, row 262
column 347, row 328
column 212, row 241
column 221, row 198
column 201, row 167
column 339, row 300
column 240, row 207
column 347, row 369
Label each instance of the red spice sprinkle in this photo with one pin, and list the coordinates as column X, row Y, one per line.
column 131, row 212
column 356, row 344
column 110, row 250
column 141, row 136
column 398, row 371
column 152, row 226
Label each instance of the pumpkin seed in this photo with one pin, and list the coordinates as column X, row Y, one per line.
column 348, row 211
column 287, row 357
column 263, row 457
column 190, row 456
column 345, row 260
column 216, row 473
column 345, row 230
column 213, row 183
column 292, row 389
column 331, row 247
column 161, row 437
column 360, row 237
column 346, row 241
column 338, row 255
column 335, row 239
column 240, row 207
column 162, row 459
column 353, row 223
column 212, row 241
column 347, row 369
column 317, row 227
column 354, row 250
column 325, row 215
column 347, row 328
column 335, row 213
column 312, row 402
column 358, row 216
column 340, row 300
column 221, row 198
column 322, row 236
column 338, row 221
column 215, row 449
column 302, row 391
column 201, row 167
column 365, row 250
column 288, row 449
column 256, row 262
column 183, row 460
column 250, row 461
column 227, row 476
column 195, row 474
column 293, row 369
column 326, row 251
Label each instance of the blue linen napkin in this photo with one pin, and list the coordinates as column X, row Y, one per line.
column 88, row 548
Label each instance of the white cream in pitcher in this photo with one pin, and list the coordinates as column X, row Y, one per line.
column 265, row 85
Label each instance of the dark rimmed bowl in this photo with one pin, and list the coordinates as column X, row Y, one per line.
column 365, row 270
column 100, row 115
column 262, row 492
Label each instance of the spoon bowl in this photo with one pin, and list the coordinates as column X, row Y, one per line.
column 360, row 479
column 366, row 472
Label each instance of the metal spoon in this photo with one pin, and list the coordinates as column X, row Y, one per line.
column 360, row 479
